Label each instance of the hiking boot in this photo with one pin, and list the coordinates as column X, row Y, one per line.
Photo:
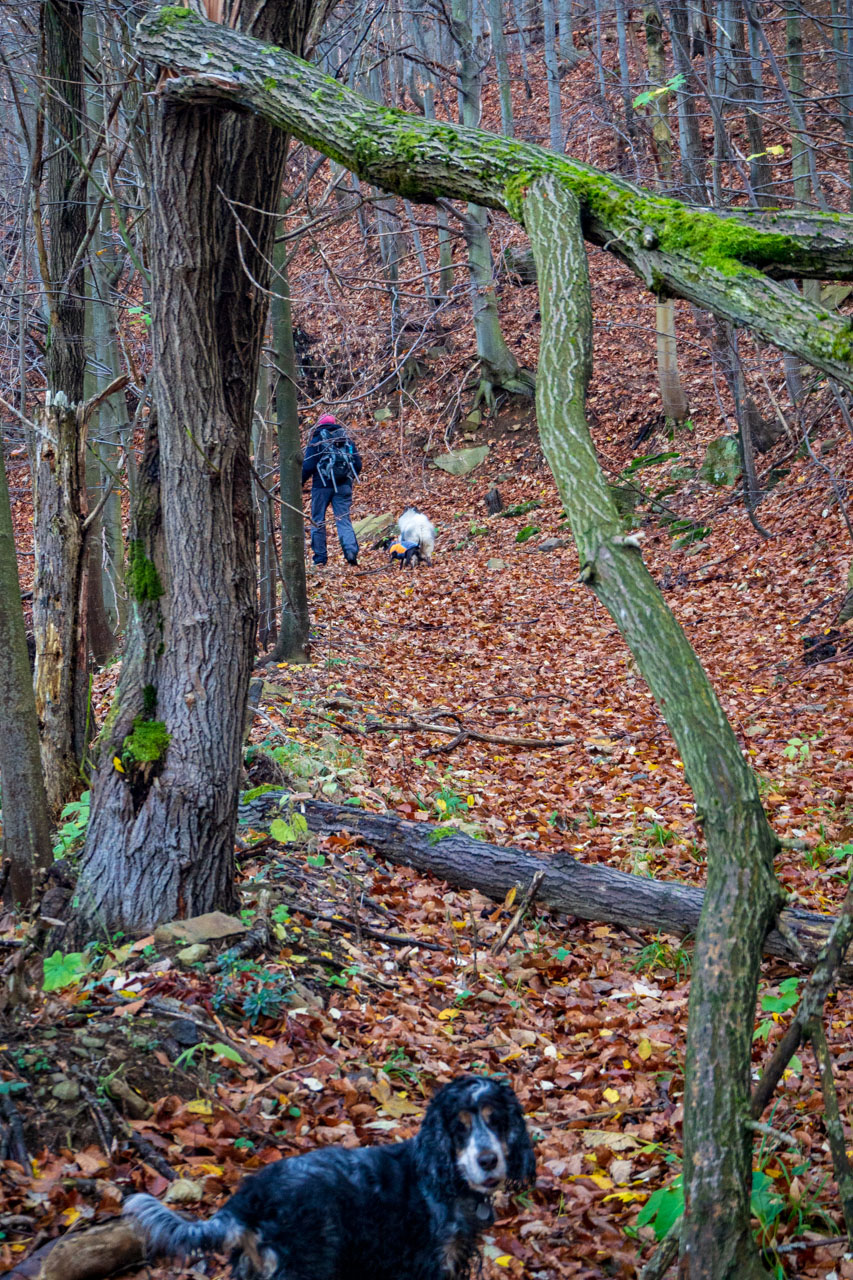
column 317, row 567
column 353, row 560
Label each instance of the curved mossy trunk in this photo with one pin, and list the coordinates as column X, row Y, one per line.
column 728, row 264
column 161, row 837
column 742, row 896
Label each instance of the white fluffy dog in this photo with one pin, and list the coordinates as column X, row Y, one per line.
column 417, row 532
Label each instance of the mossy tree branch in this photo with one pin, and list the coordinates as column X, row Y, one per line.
column 742, row 895
column 725, row 264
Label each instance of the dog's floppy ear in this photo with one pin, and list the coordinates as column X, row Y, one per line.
column 520, row 1159
column 436, row 1152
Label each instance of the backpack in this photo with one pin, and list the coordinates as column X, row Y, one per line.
column 334, row 458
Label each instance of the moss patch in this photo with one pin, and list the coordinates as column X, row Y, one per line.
column 143, row 580
column 147, row 742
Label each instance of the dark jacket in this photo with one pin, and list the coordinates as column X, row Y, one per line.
column 312, row 453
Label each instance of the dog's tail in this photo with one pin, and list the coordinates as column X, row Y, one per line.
column 169, row 1235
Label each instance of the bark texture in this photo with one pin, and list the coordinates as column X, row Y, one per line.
column 742, row 896
column 728, row 265
column 161, row 837
column 58, row 447
column 26, row 831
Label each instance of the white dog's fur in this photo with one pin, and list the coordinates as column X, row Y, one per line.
column 415, row 527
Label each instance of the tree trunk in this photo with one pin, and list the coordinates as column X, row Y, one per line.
column 496, row 25
column 742, row 896
column 590, row 892
column 693, row 168
column 725, row 264
column 499, row 367
column 674, row 401
column 293, row 643
column 265, row 516
column 161, row 836
column 58, row 449
column 26, row 829
column 752, row 95
column 552, row 77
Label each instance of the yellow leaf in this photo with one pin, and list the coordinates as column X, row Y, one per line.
column 214, row 1170
column 611, row 1095
column 200, row 1107
column 601, row 1180
column 644, row 1049
column 398, row 1107
column 627, row 1196
column 510, row 1057
column 70, row 1215
column 504, row 1260
column 510, row 897
column 447, row 1015
column 117, row 764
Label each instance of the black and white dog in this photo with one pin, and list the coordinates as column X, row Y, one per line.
column 416, row 541
column 411, row 1210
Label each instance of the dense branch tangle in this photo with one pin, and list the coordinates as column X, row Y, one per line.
column 726, row 264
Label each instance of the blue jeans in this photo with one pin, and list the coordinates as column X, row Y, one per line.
column 340, row 503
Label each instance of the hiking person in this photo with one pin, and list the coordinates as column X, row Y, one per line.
column 333, row 460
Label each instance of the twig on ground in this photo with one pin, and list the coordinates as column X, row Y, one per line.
column 533, row 889
column 834, row 1126
column 811, row 1004
column 175, row 1009
column 663, row 1257
column 460, row 734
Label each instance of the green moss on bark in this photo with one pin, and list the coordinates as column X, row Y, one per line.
column 146, row 743
column 143, row 580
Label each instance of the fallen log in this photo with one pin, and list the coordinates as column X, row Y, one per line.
column 588, row 891
column 85, row 1255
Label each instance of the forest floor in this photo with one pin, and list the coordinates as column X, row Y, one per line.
column 342, row 1036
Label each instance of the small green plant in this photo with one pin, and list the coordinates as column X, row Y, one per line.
column 529, row 531
column 64, row 970
column 342, row 979
column 142, row 314
column 446, row 801
column 660, row 835
column 186, row 1058
column 785, row 1001
column 662, row 955
column 292, row 832
column 643, row 99
column 799, row 750
column 684, row 532
column 477, row 530
column 76, row 820
column 398, row 1065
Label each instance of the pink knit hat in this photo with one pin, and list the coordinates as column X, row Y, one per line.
column 326, row 420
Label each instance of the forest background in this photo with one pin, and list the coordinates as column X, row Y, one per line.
column 489, row 697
